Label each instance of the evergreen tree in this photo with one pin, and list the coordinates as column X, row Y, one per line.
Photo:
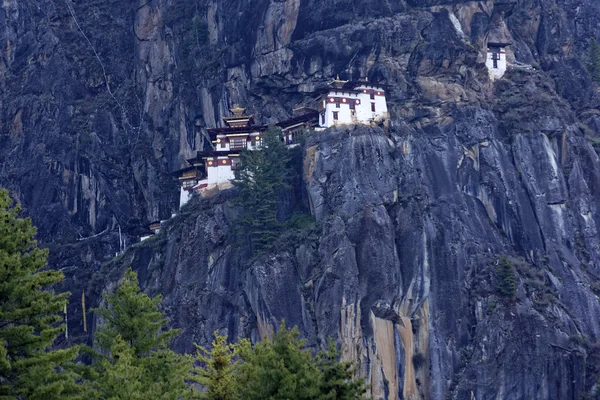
column 594, row 60
column 30, row 316
column 281, row 369
column 134, row 334
column 262, row 176
column 507, row 278
column 135, row 317
column 338, row 381
column 121, row 376
column 218, row 377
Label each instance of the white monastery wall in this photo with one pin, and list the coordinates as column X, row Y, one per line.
column 496, row 72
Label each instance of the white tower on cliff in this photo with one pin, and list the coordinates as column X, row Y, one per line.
column 498, row 39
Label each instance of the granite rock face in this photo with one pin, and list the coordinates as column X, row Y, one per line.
column 102, row 100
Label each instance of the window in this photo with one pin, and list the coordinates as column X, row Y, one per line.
column 352, row 105
column 335, row 115
column 372, row 95
column 337, row 105
column 495, row 59
column 322, row 118
column 237, row 143
column 222, row 142
column 373, row 107
column 189, row 184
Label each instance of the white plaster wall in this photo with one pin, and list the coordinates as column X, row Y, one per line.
column 364, row 112
column 381, row 110
column 496, row 73
column 184, row 196
column 220, row 173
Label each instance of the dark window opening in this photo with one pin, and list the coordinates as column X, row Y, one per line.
column 372, row 95
column 323, row 118
column 223, row 144
column 495, row 58
column 352, row 105
column 337, row 105
column 335, row 115
column 373, row 107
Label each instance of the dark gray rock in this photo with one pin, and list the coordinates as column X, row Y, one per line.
column 101, row 101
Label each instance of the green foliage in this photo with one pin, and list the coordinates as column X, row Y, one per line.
column 135, row 317
column 338, row 380
column 134, row 335
column 121, row 375
column 30, row 316
column 594, row 60
column 284, row 368
column 262, row 176
column 507, row 278
column 279, row 369
column 218, row 377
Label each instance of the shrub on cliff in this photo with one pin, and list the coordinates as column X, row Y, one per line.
column 30, row 316
column 507, row 278
column 594, row 60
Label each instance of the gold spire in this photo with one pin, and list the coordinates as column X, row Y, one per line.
column 237, row 110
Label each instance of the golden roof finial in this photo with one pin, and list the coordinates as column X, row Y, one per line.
column 366, row 79
column 237, row 110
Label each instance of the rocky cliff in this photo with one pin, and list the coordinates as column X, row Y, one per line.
column 101, row 100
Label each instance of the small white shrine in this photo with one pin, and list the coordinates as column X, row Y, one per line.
column 352, row 102
column 498, row 40
column 496, row 61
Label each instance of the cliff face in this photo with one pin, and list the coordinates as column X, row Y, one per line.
column 101, row 100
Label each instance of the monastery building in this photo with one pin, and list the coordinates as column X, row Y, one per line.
column 341, row 103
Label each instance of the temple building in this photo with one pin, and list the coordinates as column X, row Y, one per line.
column 215, row 169
column 352, row 102
column 303, row 119
column 498, row 40
column 342, row 102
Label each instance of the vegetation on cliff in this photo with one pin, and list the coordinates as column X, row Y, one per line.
column 263, row 175
column 594, row 60
column 131, row 358
column 30, row 316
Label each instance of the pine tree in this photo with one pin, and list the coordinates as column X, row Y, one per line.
column 30, row 316
column 507, row 278
column 594, row 60
column 134, row 335
column 262, row 176
column 135, row 317
column 121, row 376
column 339, row 381
column 279, row 369
column 218, row 377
